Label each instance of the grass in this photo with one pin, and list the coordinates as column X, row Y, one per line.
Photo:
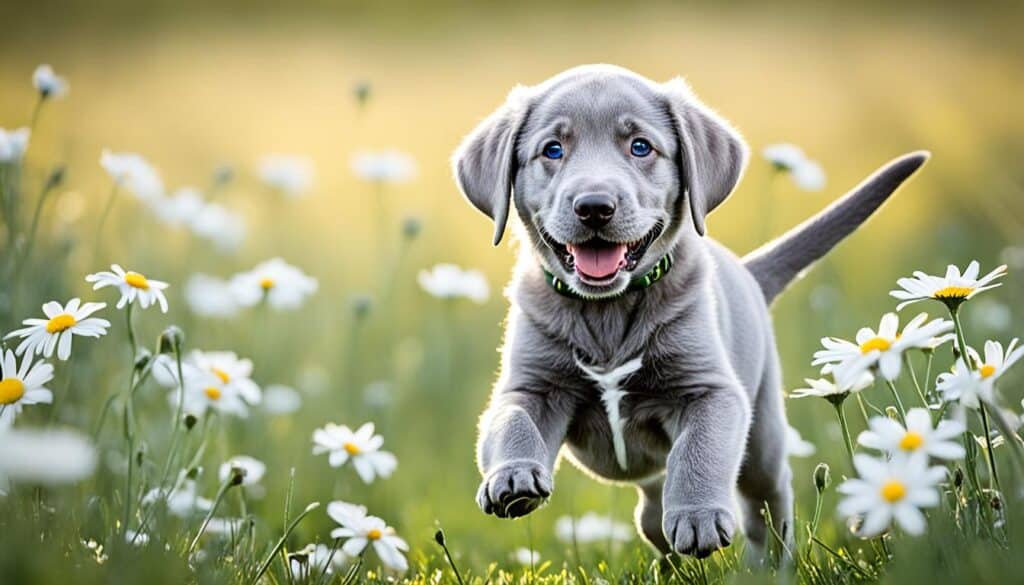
column 191, row 94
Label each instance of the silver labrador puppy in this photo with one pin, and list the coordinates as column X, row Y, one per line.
column 634, row 341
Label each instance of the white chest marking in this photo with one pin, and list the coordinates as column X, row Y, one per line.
column 610, row 382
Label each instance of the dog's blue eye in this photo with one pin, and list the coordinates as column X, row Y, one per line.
column 553, row 150
column 640, row 147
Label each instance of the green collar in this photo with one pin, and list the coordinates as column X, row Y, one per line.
column 653, row 275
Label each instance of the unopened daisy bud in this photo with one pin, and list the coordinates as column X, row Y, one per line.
column 56, row 177
column 891, row 412
column 411, row 227
column 361, row 305
column 223, row 175
column 439, row 537
column 140, row 455
column 997, row 502
column 958, row 477
column 142, row 359
column 237, row 475
column 171, row 340
column 190, row 421
column 362, row 92
column 822, row 477
column 193, row 472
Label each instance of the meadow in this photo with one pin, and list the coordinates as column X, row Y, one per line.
column 321, row 136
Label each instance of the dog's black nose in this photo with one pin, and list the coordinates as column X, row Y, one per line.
column 595, row 210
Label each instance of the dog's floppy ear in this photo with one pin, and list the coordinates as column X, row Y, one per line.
column 485, row 163
column 712, row 154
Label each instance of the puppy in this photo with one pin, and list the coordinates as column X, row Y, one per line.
column 636, row 346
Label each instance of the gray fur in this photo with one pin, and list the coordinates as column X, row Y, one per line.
column 703, row 419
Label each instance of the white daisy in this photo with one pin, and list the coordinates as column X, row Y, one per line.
column 49, row 456
column 918, row 436
column 131, row 171
column 221, row 226
column 42, row 336
column 881, row 350
column 136, row 538
column 210, row 296
column 964, row 385
column 292, row 175
column 132, row 286
column 49, row 84
column 282, row 285
column 448, row 281
column 253, row 469
column 592, row 527
column 20, row 386
column 389, row 166
column 796, row 446
column 225, row 526
column 232, row 372
column 806, row 173
column 180, row 208
column 13, row 144
column 362, row 447
column 826, row 387
column 361, row 530
column 281, row 399
column 894, row 489
column 203, row 390
column 952, row 289
column 996, row 360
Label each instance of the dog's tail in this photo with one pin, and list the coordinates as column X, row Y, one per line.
column 780, row 261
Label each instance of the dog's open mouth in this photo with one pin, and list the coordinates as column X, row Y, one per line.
column 597, row 261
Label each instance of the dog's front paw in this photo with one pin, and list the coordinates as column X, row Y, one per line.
column 699, row 530
column 514, row 489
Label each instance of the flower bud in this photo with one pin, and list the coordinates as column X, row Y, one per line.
column 361, row 305
column 237, row 475
column 439, row 537
column 142, row 359
column 411, row 227
column 958, row 478
column 822, row 477
column 223, row 175
column 56, row 177
column 362, row 92
column 193, row 472
column 170, row 340
column 190, row 421
column 891, row 412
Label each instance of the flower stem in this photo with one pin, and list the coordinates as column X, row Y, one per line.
column 899, row 402
column 846, row 430
column 35, row 113
column 129, row 430
column 913, row 377
column 221, row 491
column 989, row 452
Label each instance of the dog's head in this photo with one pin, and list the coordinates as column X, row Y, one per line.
column 605, row 169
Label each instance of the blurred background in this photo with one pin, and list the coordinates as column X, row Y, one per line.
column 195, row 86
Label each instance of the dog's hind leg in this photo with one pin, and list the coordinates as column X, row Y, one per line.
column 648, row 514
column 765, row 478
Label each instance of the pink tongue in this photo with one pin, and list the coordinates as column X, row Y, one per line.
column 599, row 262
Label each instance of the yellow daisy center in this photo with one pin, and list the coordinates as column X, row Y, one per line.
column 352, row 448
column 60, row 323
column 374, row 534
column 224, row 377
column 893, row 491
column 137, row 280
column 879, row 343
column 911, row 441
column 267, row 283
column 213, row 393
column 11, row 390
column 953, row 292
column 987, row 371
